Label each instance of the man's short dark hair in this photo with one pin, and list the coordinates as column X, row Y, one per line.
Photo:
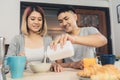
column 65, row 9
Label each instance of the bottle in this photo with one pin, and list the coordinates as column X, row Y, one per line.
column 2, row 54
column 61, row 52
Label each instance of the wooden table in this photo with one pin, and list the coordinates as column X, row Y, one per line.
column 67, row 74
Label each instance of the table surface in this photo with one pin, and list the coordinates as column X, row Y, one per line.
column 67, row 74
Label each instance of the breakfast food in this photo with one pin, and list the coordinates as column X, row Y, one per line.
column 87, row 72
column 98, row 72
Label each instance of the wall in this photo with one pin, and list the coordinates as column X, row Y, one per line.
column 9, row 19
column 115, row 29
column 102, row 3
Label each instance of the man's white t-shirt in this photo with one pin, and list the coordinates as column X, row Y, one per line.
column 81, row 51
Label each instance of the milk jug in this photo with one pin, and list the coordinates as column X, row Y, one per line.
column 61, row 52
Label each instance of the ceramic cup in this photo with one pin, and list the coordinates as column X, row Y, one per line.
column 107, row 59
column 16, row 65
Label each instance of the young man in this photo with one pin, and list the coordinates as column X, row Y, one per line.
column 84, row 40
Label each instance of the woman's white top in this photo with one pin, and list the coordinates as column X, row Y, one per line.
column 34, row 54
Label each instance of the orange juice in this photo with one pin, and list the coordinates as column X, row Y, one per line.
column 89, row 61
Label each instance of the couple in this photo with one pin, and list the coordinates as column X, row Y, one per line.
column 33, row 40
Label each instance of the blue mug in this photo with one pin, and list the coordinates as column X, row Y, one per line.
column 16, row 65
column 107, row 59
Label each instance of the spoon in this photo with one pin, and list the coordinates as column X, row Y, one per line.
column 45, row 55
column 46, row 58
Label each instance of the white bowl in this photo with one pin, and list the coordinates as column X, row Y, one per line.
column 40, row 67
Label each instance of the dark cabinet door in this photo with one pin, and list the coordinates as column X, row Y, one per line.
column 95, row 18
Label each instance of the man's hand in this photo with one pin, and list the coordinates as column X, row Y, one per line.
column 77, row 65
column 62, row 40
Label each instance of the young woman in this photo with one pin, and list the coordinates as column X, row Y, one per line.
column 33, row 40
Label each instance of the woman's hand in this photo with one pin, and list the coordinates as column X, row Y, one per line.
column 56, row 67
column 21, row 54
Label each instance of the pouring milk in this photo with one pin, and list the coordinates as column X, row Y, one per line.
column 66, row 51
